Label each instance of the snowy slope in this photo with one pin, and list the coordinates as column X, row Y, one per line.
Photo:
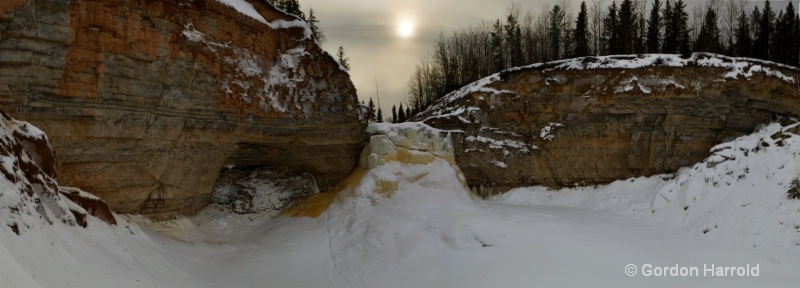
column 408, row 221
column 738, row 194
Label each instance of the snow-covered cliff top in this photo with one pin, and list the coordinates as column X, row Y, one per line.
column 735, row 68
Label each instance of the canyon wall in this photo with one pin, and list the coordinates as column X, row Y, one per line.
column 595, row 120
column 145, row 101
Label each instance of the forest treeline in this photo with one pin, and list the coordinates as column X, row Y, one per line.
column 602, row 28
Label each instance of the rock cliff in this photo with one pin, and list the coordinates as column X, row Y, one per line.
column 600, row 119
column 145, row 101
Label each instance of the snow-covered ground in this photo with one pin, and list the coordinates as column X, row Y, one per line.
column 411, row 222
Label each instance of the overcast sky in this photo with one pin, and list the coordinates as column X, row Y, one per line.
column 368, row 32
column 367, row 29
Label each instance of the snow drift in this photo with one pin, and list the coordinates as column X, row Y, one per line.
column 405, row 219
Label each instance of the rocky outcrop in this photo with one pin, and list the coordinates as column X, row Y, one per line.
column 261, row 190
column 146, row 101
column 600, row 119
column 28, row 194
column 91, row 205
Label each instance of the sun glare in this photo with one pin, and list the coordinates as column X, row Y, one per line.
column 405, row 28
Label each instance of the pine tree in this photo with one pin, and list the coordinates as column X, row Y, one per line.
column 408, row 113
column 555, row 30
column 315, row 29
column 581, row 33
column 708, row 40
column 681, row 19
column 379, row 117
column 625, row 27
column 744, row 43
column 343, row 60
column 793, row 35
column 293, row 7
column 786, row 30
column 514, row 40
column 761, row 47
column 402, row 115
column 654, row 29
column 609, row 38
column 394, row 113
column 498, row 57
column 371, row 106
column 670, row 34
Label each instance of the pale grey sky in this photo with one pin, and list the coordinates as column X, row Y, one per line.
column 368, row 32
column 367, row 29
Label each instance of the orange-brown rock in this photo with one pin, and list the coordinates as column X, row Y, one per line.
column 596, row 120
column 91, row 204
column 145, row 101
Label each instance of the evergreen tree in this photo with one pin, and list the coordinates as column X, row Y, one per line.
column 670, row 33
column 744, row 43
column 610, row 39
column 408, row 113
column 293, row 7
column 556, row 20
column 640, row 34
column 625, row 27
column 513, row 37
column 379, row 117
column 343, row 60
column 681, row 19
column 786, row 30
column 708, row 40
column 394, row 113
column 654, row 29
column 761, row 47
column 498, row 57
column 581, row 33
column 402, row 117
column 315, row 29
column 371, row 106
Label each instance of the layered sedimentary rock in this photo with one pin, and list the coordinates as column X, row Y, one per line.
column 600, row 119
column 146, row 101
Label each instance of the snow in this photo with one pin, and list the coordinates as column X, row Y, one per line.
column 28, row 198
column 431, row 232
column 242, row 6
column 502, row 144
column 499, row 164
column 245, row 8
column 548, row 132
column 736, row 68
column 738, row 194
column 280, row 79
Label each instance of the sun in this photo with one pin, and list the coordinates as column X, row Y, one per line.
column 405, row 28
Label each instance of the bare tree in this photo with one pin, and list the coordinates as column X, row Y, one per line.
column 596, row 13
column 696, row 21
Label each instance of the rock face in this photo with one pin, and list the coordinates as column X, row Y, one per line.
column 29, row 195
column 596, row 120
column 146, row 101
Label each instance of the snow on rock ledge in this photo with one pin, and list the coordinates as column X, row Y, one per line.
column 595, row 120
column 29, row 195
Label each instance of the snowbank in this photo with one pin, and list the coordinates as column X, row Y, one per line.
column 738, row 194
column 406, row 221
